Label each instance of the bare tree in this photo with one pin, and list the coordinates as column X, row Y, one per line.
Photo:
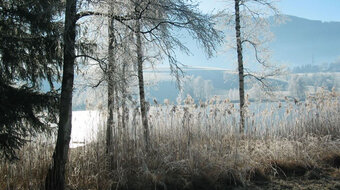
column 247, row 21
column 142, row 101
column 154, row 31
column 110, row 84
column 240, row 62
column 153, row 23
column 105, row 59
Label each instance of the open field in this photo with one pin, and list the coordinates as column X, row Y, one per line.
column 198, row 147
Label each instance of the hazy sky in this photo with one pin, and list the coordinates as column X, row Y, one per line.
column 324, row 10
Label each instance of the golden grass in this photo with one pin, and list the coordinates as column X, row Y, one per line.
column 197, row 147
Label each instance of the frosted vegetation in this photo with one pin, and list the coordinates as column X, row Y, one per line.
column 194, row 139
column 219, row 116
column 193, row 144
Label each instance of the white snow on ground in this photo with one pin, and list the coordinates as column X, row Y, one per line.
column 85, row 127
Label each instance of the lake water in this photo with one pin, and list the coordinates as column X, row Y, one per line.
column 85, row 127
column 87, row 124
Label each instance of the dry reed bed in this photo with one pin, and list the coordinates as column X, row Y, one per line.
column 197, row 147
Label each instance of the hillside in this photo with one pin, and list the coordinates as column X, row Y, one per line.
column 296, row 42
column 300, row 42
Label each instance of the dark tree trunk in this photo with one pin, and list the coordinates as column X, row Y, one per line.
column 125, row 115
column 141, row 88
column 119, row 127
column 55, row 179
column 240, row 63
column 110, row 91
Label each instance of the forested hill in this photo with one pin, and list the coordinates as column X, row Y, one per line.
column 296, row 42
column 300, row 42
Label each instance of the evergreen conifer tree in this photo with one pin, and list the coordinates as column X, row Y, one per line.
column 30, row 56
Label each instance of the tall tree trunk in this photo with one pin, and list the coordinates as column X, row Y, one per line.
column 240, row 63
column 125, row 115
column 55, row 179
column 110, row 90
column 141, row 88
column 117, row 109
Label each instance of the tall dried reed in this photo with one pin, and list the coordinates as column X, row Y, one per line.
column 195, row 146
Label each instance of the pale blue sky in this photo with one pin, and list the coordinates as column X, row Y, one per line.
column 324, row 10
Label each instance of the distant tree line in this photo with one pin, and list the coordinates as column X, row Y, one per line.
column 332, row 67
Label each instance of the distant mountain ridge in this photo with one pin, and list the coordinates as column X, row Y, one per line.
column 301, row 41
column 296, row 42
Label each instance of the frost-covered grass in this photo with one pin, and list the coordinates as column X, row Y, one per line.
column 197, row 147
